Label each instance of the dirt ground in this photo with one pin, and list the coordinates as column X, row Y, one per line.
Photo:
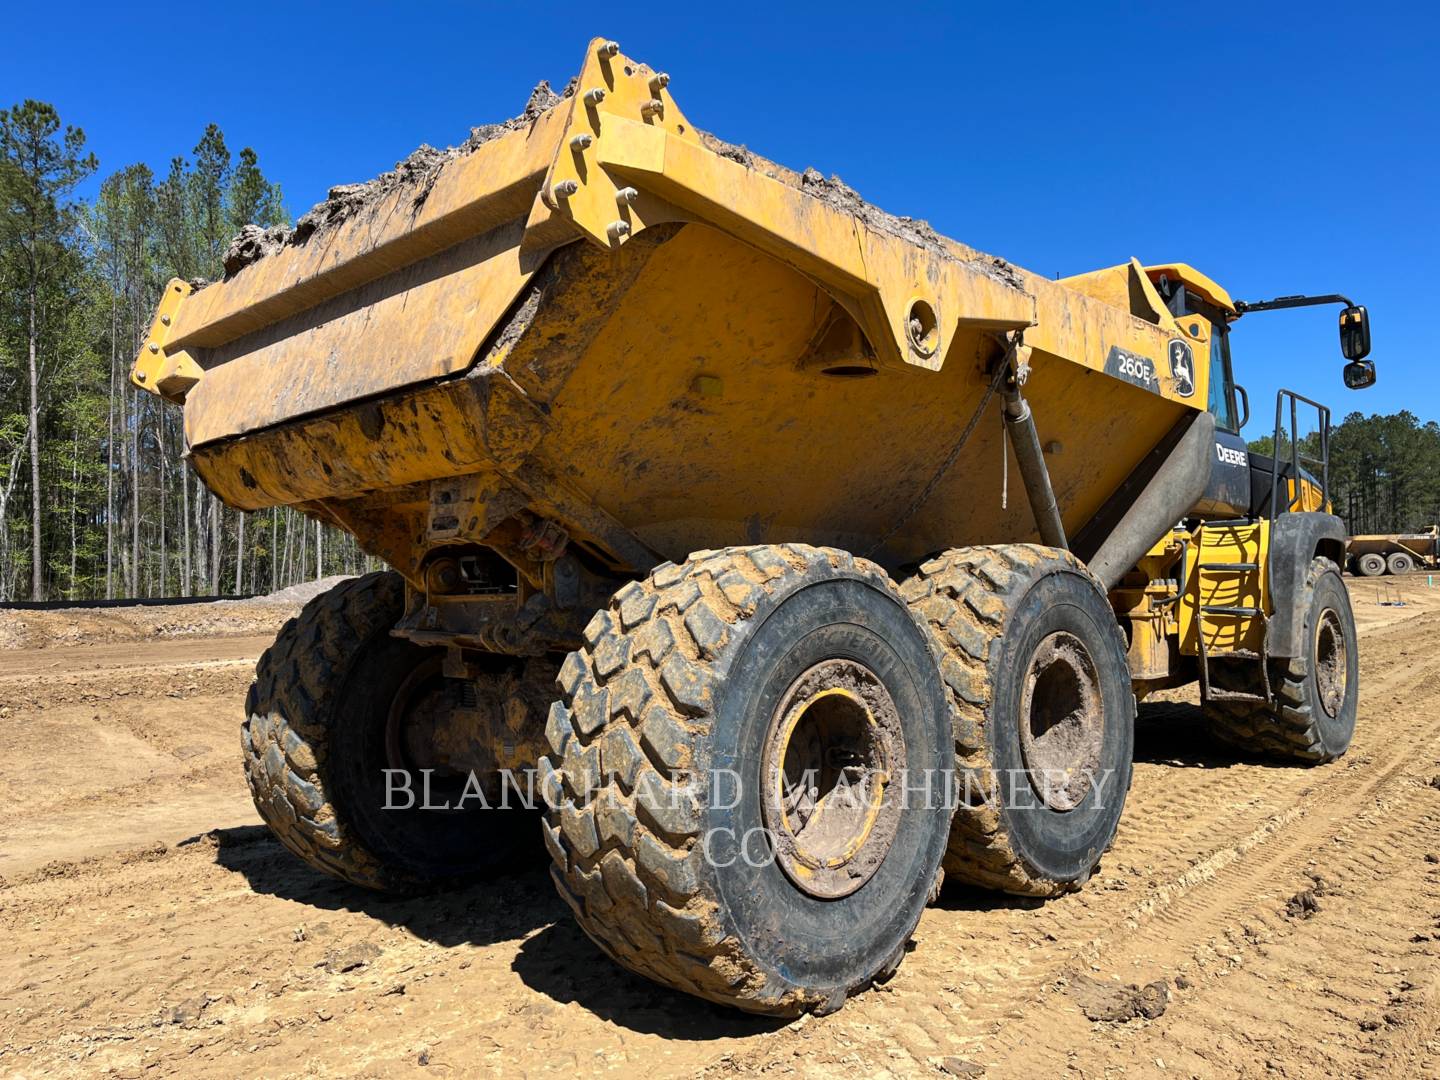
column 153, row 928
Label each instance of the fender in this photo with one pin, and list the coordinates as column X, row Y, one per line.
column 1295, row 539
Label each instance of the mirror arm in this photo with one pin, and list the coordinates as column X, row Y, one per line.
column 1242, row 306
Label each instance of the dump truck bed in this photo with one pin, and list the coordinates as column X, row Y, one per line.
column 603, row 316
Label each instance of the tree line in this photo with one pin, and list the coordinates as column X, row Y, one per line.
column 1384, row 470
column 95, row 499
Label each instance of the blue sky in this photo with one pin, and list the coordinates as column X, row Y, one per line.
column 1280, row 149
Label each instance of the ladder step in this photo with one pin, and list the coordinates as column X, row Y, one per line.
column 1236, row 654
column 1230, row 566
column 1222, row 609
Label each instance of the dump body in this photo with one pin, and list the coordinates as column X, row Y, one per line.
column 605, row 320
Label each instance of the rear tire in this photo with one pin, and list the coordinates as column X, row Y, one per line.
column 1313, row 718
column 1371, row 564
column 316, row 749
column 709, row 670
column 994, row 615
column 1400, row 562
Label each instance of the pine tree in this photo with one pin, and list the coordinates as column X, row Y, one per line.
column 41, row 167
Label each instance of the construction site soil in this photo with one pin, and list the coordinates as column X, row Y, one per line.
column 1250, row 920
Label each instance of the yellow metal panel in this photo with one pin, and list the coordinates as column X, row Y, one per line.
column 1195, row 281
column 163, row 367
column 471, row 195
column 1126, row 287
column 422, row 322
column 1226, row 544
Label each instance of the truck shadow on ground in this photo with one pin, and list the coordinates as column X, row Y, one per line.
column 1176, row 734
column 553, row 956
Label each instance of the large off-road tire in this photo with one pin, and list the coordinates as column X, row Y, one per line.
column 1370, row 564
column 319, row 736
column 1400, row 562
column 1035, row 668
column 682, row 732
column 1316, row 695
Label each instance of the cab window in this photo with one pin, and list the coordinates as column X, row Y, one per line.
column 1222, row 383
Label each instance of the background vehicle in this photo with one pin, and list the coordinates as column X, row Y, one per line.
column 1394, row 553
column 716, row 441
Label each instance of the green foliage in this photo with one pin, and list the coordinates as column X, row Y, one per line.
column 253, row 199
column 118, row 511
column 1384, row 470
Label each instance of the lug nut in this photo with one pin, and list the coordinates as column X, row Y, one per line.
column 609, row 49
column 617, row 229
column 565, row 188
column 154, row 348
column 653, row 107
column 139, row 376
column 581, row 142
column 626, row 195
column 165, row 319
column 594, row 97
column 658, row 83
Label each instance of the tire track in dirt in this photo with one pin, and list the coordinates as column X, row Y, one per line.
column 1352, row 867
column 151, row 656
column 498, row 979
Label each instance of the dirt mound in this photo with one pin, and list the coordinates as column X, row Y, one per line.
column 416, row 174
column 26, row 629
column 1117, row 1003
column 302, row 593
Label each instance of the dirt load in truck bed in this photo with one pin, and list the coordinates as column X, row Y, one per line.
column 419, row 170
column 416, row 172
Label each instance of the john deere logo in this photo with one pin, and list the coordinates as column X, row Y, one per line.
column 1182, row 367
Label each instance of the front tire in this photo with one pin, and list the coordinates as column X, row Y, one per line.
column 1312, row 719
column 1044, row 713
column 738, row 669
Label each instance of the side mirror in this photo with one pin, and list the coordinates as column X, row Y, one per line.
column 1244, row 407
column 1359, row 374
column 1355, row 336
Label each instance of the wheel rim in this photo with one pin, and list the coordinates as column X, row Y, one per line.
column 833, row 746
column 1062, row 721
column 422, row 736
column 1332, row 669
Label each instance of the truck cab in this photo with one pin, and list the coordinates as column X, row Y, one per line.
column 1241, row 480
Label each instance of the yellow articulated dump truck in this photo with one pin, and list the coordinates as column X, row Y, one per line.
column 794, row 556
column 1394, row 553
